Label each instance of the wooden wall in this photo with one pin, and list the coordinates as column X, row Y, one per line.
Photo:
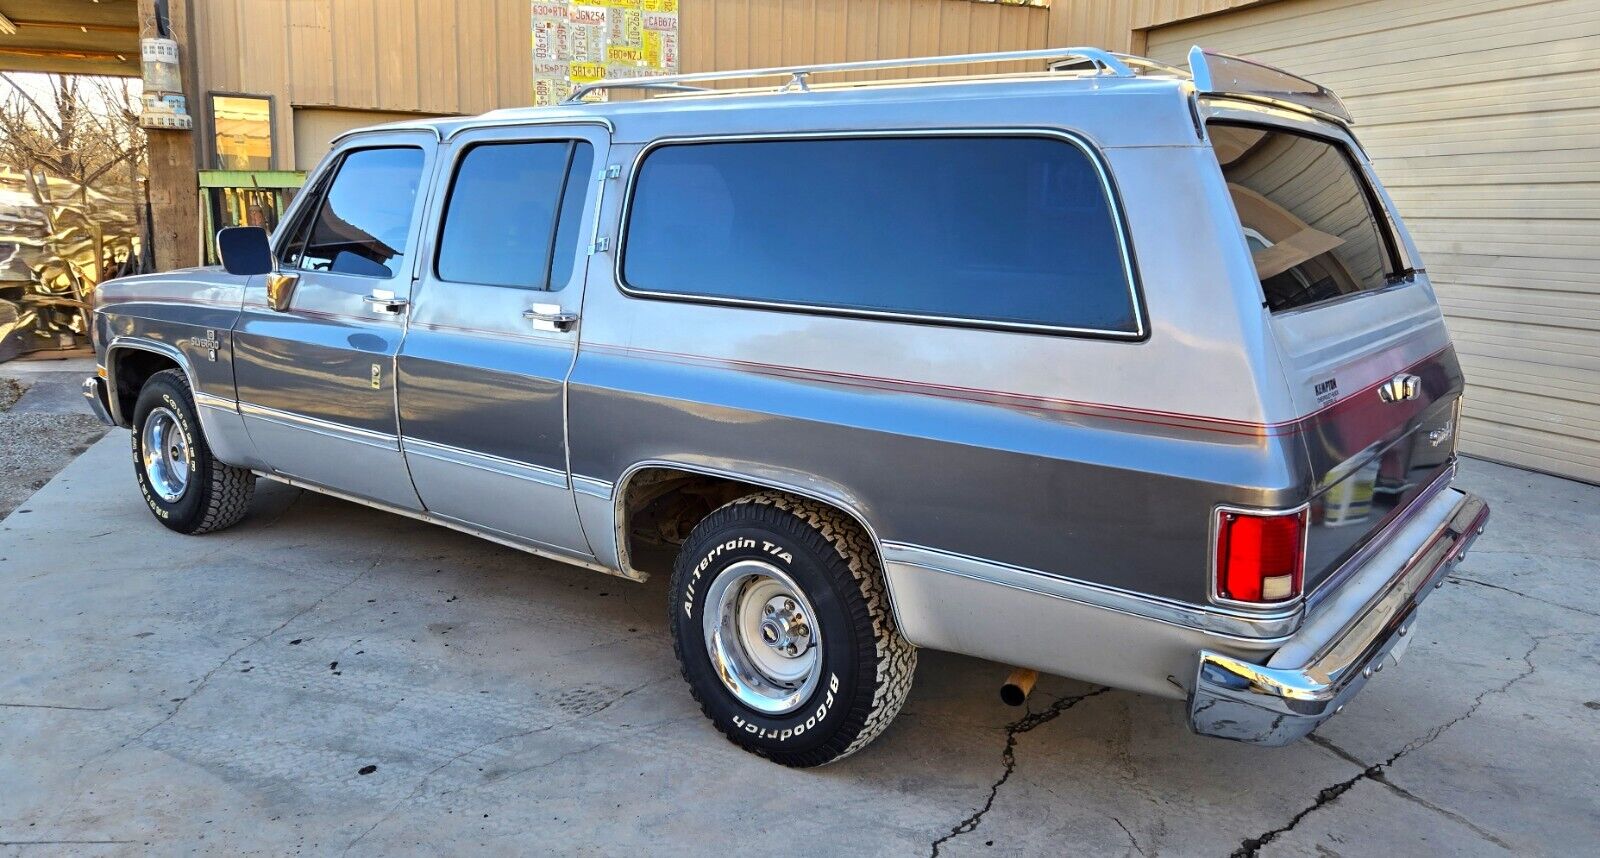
column 468, row 56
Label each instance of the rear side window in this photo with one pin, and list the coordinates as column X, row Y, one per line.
column 512, row 214
column 363, row 223
column 1307, row 214
column 1013, row 231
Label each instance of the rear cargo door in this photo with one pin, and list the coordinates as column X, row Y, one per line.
column 1358, row 332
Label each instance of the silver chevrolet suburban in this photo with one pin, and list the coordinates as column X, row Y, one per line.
column 1102, row 368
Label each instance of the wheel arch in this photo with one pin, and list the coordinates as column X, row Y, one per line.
column 645, row 491
column 130, row 363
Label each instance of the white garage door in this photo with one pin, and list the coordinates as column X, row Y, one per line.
column 1483, row 118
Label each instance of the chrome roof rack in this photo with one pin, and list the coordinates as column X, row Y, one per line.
column 1106, row 61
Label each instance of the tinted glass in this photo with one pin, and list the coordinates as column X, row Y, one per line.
column 507, row 217
column 999, row 229
column 364, row 222
column 1306, row 213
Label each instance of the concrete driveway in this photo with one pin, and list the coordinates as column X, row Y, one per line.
column 325, row 678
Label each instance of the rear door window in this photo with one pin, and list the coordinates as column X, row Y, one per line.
column 988, row 230
column 1307, row 212
column 512, row 214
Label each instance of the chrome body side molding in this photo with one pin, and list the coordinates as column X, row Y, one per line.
column 325, row 428
column 485, row 462
column 592, row 487
column 1211, row 620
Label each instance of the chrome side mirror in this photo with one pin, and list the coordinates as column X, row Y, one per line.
column 246, row 250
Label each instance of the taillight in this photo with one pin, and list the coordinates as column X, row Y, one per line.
column 1260, row 556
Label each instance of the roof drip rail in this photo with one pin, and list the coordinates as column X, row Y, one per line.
column 1106, row 61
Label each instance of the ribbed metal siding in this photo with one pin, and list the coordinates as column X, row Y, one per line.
column 468, row 56
column 1482, row 119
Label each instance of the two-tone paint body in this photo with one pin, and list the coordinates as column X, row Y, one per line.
column 1044, row 498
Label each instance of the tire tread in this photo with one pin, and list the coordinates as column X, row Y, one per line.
column 891, row 660
column 227, row 489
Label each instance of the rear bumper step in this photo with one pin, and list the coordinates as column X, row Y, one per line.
column 1322, row 667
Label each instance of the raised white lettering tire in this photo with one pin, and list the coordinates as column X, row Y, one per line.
column 783, row 630
column 186, row 488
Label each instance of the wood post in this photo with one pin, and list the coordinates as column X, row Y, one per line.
column 174, row 176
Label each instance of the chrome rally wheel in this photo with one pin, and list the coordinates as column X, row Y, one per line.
column 165, row 451
column 184, row 485
column 783, row 629
column 762, row 636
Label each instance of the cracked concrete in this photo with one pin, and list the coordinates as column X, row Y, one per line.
column 165, row 693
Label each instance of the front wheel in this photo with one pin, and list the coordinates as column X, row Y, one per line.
column 186, row 488
column 783, row 630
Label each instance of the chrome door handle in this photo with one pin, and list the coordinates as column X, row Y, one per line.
column 385, row 301
column 550, row 317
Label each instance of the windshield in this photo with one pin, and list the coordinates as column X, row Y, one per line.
column 1306, row 212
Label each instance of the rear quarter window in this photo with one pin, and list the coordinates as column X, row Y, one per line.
column 1001, row 230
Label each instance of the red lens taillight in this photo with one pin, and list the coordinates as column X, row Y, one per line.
column 1260, row 558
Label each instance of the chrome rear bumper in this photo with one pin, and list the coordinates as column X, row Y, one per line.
column 1351, row 636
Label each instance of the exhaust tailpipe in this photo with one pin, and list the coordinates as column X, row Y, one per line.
column 1017, row 686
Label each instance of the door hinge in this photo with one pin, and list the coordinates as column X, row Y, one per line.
column 611, row 171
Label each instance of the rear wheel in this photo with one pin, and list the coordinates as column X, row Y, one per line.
column 783, row 630
column 186, row 488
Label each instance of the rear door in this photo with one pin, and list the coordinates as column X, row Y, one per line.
column 1358, row 331
column 493, row 332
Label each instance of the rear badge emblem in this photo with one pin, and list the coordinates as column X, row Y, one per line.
column 1400, row 388
column 1442, row 434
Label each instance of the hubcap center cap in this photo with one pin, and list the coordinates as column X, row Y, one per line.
column 784, row 628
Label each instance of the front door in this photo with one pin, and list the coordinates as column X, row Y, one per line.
column 316, row 377
column 493, row 332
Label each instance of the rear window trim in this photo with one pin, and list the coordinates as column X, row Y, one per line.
column 1396, row 273
column 1108, row 186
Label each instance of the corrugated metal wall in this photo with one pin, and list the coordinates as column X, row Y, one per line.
column 730, row 34
column 1483, row 120
column 468, row 56
column 1119, row 24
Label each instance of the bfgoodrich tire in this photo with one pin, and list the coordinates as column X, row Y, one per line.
column 186, row 488
column 783, row 630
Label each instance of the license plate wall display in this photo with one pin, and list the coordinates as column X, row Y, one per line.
column 581, row 42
